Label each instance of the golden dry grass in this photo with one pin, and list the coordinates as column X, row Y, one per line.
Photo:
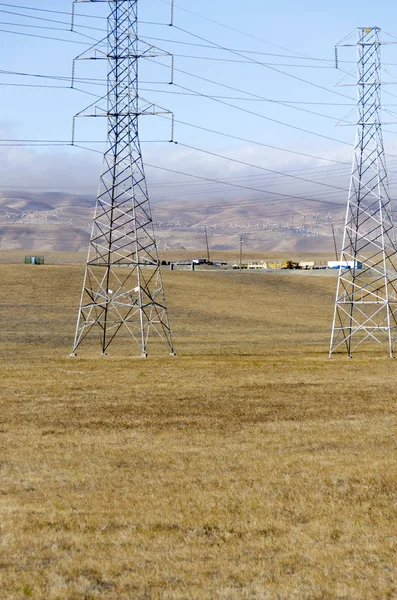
column 249, row 467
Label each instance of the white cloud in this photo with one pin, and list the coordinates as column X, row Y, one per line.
column 77, row 171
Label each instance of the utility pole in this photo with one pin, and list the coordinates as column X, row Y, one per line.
column 366, row 300
column 241, row 251
column 335, row 247
column 206, row 243
column 123, row 293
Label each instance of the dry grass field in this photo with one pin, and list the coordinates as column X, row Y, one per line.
column 248, row 467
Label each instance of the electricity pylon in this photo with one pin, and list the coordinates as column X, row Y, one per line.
column 366, row 300
column 123, row 288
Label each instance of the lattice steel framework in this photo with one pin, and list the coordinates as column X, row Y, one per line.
column 123, row 288
column 366, row 300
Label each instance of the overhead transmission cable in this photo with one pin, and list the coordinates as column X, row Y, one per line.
column 261, row 63
column 273, row 180
column 287, row 102
column 30, row 8
column 241, row 162
column 214, row 44
column 289, row 196
column 253, row 113
column 57, row 21
column 44, row 37
column 48, row 10
column 210, row 179
column 189, row 56
column 209, row 97
column 297, row 57
column 250, row 35
column 194, row 92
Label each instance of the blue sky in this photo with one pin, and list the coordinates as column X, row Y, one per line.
column 295, row 41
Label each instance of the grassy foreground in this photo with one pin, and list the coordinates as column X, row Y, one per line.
column 249, row 467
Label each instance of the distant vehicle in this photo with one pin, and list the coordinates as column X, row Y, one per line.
column 290, row 264
column 254, row 266
column 347, row 264
column 199, row 261
column 306, row 265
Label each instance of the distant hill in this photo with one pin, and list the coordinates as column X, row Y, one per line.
column 62, row 221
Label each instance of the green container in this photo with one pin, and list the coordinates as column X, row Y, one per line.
column 34, row 260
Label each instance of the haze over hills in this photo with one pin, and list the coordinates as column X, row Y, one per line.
column 62, row 221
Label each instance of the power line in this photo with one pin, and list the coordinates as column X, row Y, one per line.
column 216, row 45
column 189, row 56
column 235, row 160
column 87, row 80
column 260, row 99
column 245, row 110
column 246, row 61
column 231, row 28
column 215, row 99
column 64, row 13
column 47, row 28
column 318, row 196
column 337, row 172
column 236, row 185
column 47, row 10
column 101, row 82
column 36, row 144
column 257, row 52
column 271, row 180
column 242, row 139
column 43, row 37
column 263, row 64
column 193, row 92
column 252, row 112
column 297, row 54
column 32, row 85
column 18, row 14
column 103, row 30
column 204, row 191
column 219, row 181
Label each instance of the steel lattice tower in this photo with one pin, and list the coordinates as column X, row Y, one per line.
column 123, row 288
column 366, row 301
